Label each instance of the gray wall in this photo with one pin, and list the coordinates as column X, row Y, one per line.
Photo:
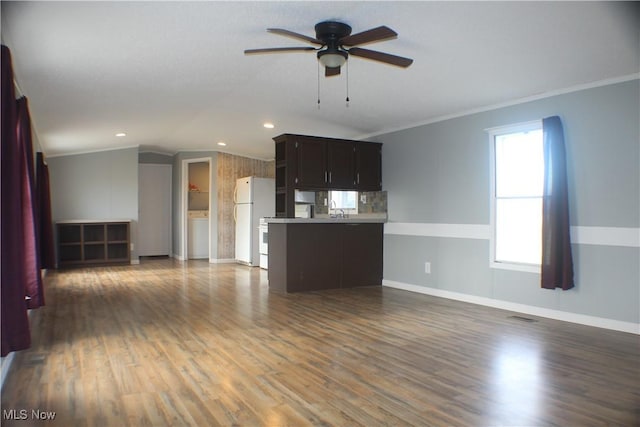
column 439, row 174
column 177, row 200
column 96, row 186
column 155, row 158
column 104, row 185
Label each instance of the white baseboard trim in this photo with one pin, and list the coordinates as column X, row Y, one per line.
column 6, row 364
column 222, row 261
column 135, row 261
column 211, row 260
column 598, row 322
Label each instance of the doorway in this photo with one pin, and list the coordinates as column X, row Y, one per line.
column 196, row 208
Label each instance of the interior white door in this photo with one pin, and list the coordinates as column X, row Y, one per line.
column 154, row 216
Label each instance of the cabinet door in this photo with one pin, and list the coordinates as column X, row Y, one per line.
column 313, row 256
column 311, row 165
column 361, row 255
column 368, row 166
column 341, row 165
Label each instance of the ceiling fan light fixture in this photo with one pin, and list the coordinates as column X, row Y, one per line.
column 332, row 58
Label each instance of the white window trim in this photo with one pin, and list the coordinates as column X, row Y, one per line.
column 493, row 132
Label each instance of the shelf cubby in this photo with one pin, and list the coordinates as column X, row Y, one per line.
column 83, row 243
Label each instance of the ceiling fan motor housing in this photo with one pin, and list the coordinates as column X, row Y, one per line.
column 330, row 32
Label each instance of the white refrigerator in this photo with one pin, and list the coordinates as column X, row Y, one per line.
column 254, row 198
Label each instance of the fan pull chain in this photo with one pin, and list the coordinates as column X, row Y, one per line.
column 347, row 70
column 318, row 85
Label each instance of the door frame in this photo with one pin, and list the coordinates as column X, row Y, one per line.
column 184, row 208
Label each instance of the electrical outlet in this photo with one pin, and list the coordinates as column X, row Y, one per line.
column 131, row 246
column 427, row 267
column 326, row 203
column 363, row 199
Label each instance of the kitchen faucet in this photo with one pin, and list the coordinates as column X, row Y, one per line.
column 335, row 211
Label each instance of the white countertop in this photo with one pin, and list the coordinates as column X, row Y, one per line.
column 355, row 219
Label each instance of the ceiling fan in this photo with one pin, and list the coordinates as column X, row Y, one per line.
column 336, row 43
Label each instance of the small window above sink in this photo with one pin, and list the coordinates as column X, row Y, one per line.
column 343, row 203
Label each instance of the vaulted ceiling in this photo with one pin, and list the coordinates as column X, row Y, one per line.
column 173, row 76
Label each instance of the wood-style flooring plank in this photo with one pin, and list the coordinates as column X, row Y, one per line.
column 169, row 343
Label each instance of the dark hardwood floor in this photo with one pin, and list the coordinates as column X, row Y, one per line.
column 171, row 343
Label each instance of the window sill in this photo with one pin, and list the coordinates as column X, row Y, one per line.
column 527, row 268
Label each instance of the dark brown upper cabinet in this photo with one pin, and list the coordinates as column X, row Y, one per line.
column 340, row 165
column 368, row 161
column 314, row 163
column 311, row 164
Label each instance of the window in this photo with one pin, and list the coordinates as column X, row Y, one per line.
column 345, row 200
column 517, row 187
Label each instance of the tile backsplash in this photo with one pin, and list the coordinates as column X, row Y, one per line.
column 376, row 202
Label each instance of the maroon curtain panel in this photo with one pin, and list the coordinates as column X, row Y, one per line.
column 14, row 322
column 45, row 222
column 31, row 261
column 557, row 260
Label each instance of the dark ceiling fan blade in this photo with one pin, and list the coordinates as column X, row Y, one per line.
column 278, row 49
column 381, row 57
column 372, row 35
column 298, row 36
column 331, row 71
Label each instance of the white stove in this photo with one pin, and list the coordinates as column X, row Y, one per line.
column 263, row 229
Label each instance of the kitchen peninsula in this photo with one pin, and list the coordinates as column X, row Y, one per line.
column 308, row 254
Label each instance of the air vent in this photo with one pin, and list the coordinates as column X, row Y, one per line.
column 36, row 359
column 523, row 319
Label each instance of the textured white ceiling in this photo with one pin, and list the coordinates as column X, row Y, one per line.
column 173, row 76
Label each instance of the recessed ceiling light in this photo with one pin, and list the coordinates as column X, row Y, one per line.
column 121, row 134
column 268, row 125
column 222, row 144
